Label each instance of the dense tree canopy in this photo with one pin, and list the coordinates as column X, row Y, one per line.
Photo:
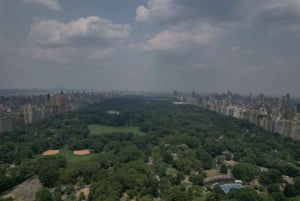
column 245, row 171
column 166, row 159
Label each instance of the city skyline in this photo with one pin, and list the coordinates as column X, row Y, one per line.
column 151, row 45
column 280, row 115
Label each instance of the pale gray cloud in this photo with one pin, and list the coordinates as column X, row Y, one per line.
column 50, row 55
column 170, row 11
column 277, row 14
column 50, row 4
column 100, row 55
column 181, row 38
column 66, row 55
column 201, row 45
column 158, row 10
column 53, row 32
column 84, row 40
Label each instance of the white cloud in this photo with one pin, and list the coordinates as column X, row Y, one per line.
column 157, row 10
column 142, row 14
column 90, row 29
column 84, row 40
column 183, row 38
column 51, row 4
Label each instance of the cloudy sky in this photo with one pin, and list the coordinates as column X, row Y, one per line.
column 153, row 45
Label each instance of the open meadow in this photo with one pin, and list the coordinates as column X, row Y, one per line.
column 96, row 129
column 70, row 157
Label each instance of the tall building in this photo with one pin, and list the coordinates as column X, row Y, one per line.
column 1, row 126
column 56, row 103
column 6, row 123
column 298, row 108
column 29, row 113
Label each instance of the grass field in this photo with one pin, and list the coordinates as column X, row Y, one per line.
column 96, row 129
column 171, row 172
column 68, row 154
column 200, row 198
column 211, row 173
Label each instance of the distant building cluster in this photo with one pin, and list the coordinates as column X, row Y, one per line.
column 280, row 115
column 16, row 111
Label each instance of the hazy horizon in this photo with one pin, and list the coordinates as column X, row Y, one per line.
column 152, row 45
column 39, row 91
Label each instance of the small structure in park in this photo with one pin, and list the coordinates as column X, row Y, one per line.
column 219, row 180
column 227, row 187
column 226, row 182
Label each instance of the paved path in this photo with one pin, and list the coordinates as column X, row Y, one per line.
column 25, row 191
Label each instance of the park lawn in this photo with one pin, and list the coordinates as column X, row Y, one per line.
column 171, row 172
column 200, row 198
column 70, row 157
column 211, row 173
column 96, row 129
column 186, row 185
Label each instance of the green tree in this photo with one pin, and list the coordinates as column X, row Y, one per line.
column 273, row 188
column 289, row 169
column 43, row 195
column 248, row 194
column 212, row 197
column 214, row 148
column 205, row 158
column 129, row 153
column 278, row 196
column 57, row 196
column 270, row 176
column 81, row 196
column 146, row 198
column 167, row 157
column 223, row 168
column 197, row 179
column 245, row 171
column 177, row 194
column 290, row 190
column 297, row 198
column 48, row 175
column 105, row 190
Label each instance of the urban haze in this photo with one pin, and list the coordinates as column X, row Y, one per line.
column 149, row 100
column 151, row 45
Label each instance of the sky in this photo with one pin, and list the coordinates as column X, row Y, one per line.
column 151, row 45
